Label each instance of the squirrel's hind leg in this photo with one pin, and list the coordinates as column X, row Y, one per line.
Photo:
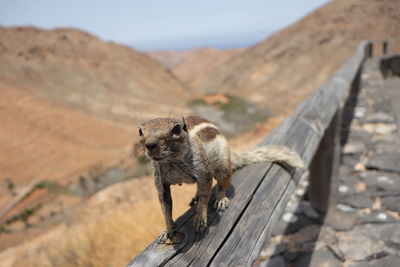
column 223, row 178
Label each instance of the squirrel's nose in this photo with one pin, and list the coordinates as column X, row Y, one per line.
column 151, row 146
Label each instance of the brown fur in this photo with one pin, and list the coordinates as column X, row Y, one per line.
column 208, row 134
column 192, row 150
column 192, row 121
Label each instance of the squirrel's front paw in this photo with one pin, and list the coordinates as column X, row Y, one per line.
column 200, row 222
column 169, row 238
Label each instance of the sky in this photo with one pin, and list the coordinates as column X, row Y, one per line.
column 163, row 24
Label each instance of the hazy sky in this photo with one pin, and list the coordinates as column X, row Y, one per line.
column 162, row 24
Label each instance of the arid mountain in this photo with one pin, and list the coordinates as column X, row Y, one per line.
column 42, row 140
column 170, row 59
column 70, row 101
column 194, row 67
column 287, row 67
column 79, row 70
column 199, row 66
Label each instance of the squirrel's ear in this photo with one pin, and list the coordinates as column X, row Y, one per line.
column 183, row 123
column 141, row 130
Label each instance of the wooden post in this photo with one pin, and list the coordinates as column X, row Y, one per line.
column 385, row 47
column 368, row 50
column 324, row 167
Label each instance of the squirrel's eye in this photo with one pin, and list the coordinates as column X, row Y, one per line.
column 140, row 132
column 176, row 130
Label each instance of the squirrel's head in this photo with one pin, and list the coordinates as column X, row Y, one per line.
column 164, row 139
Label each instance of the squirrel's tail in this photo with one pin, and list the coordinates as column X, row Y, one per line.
column 279, row 154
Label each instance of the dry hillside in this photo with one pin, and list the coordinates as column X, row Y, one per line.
column 170, row 59
column 79, row 70
column 291, row 64
column 70, row 99
column 41, row 140
column 193, row 67
column 69, row 105
column 199, row 66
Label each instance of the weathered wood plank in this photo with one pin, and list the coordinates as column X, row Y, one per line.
column 156, row 255
column 267, row 204
column 240, row 244
column 244, row 181
column 324, row 168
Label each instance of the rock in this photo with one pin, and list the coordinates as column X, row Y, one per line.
column 360, row 187
column 359, row 167
column 326, row 236
column 379, row 128
column 387, row 261
column 317, row 259
column 289, row 217
column 383, row 128
column 380, row 117
column 378, row 217
column 345, row 208
column 393, row 139
column 306, row 208
column 350, row 159
column 272, row 249
column 307, row 234
column 357, row 247
column 359, row 112
column 359, row 201
column 304, row 183
column 345, row 170
column 361, row 264
column 296, row 222
column 343, row 189
column 336, row 251
column 381, row 102
column 292, row 206
column 385, row 146
column 299, row 224
column 382, row 183
column 291, row 255
column 389, row 234
column 385, row 162
column 392, row 203
column 350, row 180
column 353, row 148
column 300, row 192
column 341, row 221
column 276, row 261
column 359, row 135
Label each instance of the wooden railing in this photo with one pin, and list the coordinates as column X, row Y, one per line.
column 260, row 192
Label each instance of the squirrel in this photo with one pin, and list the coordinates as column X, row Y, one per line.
column 193, row 150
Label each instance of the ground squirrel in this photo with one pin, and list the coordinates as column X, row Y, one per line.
column 193, row 150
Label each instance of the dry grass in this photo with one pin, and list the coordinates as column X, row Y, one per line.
column 108, row 234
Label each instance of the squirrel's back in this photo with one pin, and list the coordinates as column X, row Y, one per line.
column 217, row 148
column 209, row 137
